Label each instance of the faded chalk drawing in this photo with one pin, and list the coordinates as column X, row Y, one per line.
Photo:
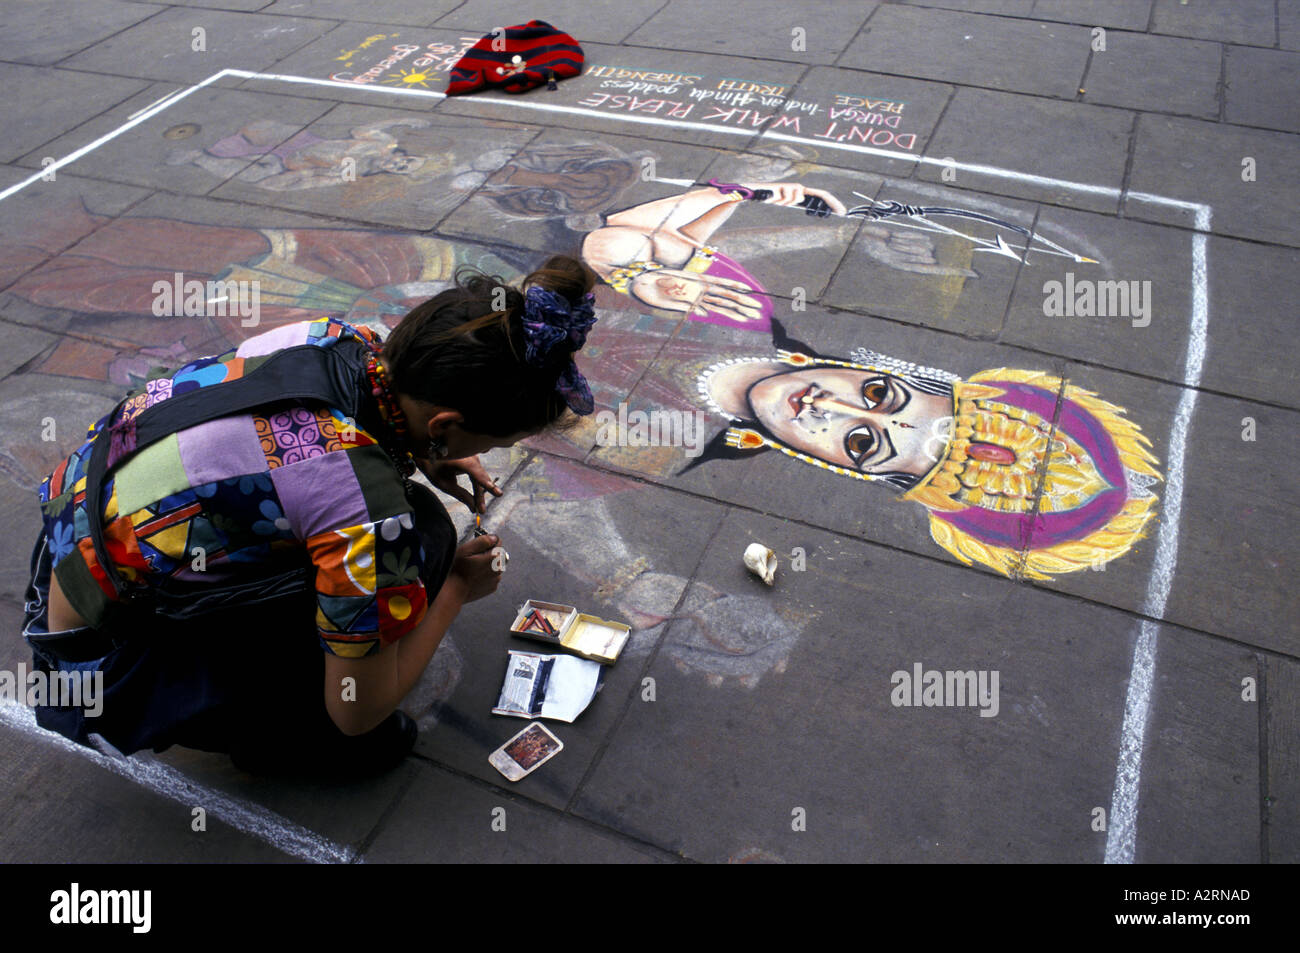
column 287, row 157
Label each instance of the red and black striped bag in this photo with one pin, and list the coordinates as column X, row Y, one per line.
column 517, row 59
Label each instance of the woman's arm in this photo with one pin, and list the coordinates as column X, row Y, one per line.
column 382, row 680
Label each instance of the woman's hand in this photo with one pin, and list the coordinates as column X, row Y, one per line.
column 791, row 193
column 478, row 566
column 444, row 474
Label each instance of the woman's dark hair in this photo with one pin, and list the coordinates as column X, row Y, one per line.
column 456, row 350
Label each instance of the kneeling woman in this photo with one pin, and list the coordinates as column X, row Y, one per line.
column 255, row 508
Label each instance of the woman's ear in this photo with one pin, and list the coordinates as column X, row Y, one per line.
column 436, row 426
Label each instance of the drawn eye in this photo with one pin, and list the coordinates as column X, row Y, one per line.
column 860, row 443
column 874, row 392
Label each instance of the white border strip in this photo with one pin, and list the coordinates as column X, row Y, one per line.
column 1122, row 827
column 1121, row 830
column 266, row 826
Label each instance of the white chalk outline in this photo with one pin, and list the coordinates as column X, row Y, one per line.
column 1121, row 829
column 267, row 826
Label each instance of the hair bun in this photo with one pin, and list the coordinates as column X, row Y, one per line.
column 566, row 276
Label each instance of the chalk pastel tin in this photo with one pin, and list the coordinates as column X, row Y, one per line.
column 586, row 635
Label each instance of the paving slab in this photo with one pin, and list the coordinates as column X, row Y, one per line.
column 65, row 808
column 856, row 119
column 406, row 12
column 1157, row 73
column 47, row 217
column 1260, row 88
column 343, row 814
column 164, row 47
column 44, row 33
column 1090, row 148
column 771, row 30
column 173, row 149
column 1282, row 720
column 574, row 17
column 577, row 537
column 1199, row 797
column 244, row 5
column 1232, row 544
column 1230, row 21
column 722, row 771
column 917, row 270
column 1200, row 162
column 46, row 102
column 1121, row 14
column 1247, row 283
column 1288, row 22
column 447, row 819
column 380, row 165
column 1017, row 8
column 1046, row 59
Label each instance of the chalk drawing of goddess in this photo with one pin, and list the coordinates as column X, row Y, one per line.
column 973, row 452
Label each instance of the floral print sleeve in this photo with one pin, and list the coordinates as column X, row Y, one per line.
column 368, row 585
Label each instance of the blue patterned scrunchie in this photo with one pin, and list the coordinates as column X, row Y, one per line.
column 549, row 320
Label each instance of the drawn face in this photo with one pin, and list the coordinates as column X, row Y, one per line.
column 547, row 184
column 860, row 420
column 400, row 163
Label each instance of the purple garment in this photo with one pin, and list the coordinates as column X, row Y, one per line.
column 238, row 147
column 723, row 267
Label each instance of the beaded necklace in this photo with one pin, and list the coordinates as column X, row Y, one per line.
column 391, row 412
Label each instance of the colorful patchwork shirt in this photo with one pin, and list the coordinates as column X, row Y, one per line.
column 242, row 498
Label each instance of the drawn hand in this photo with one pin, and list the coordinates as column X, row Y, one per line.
column 906, row 251
column 818, row 201
column 676, row 290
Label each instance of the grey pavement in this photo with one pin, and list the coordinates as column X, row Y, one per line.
column 1145, row 143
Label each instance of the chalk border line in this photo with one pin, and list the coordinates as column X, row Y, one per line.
column 1121, row 827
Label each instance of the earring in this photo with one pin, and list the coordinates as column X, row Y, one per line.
column 438, row 448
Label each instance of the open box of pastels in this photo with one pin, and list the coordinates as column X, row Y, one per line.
column 580, row 633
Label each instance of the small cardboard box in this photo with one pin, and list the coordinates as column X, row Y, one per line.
column 580, row 633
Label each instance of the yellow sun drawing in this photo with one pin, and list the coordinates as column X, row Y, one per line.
column 408, row 77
